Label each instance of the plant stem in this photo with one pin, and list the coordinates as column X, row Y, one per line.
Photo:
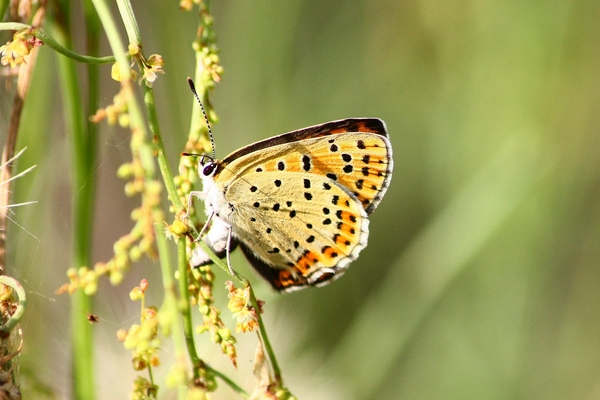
column 184, row 300
column 261, row 325
column 128, row 18
column 51, row 42
column 184, row 307
column 6, row 172
column 3, row 6
column 93, row 30
column 136, row 118
column 169, row 305
column 265, row 340
column 241, row 392
column 83, row 154
column 163, row 163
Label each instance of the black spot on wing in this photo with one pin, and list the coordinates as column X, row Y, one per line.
column 306, row 164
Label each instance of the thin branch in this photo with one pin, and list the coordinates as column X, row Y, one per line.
column 50, row 42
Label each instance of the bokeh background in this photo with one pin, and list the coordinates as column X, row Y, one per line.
column 482, row 275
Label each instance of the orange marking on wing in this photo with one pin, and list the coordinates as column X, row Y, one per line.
column 270, row 165
column 294, row 167
column 288, row 164
column 331, row 253
column 339, row 130
column 347, row 216
column 319, row 165
column 363, row 127
column 340, row 240
column 285, row 278
column 349, row 229
column 358, row 126
column 304, row 263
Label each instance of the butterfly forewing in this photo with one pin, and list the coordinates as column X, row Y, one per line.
column 371, row 125
column 361, row 161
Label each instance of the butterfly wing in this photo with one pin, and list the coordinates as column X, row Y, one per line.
column 301, row 199
column 354, row 152
column 288, row 280
column 305, row 224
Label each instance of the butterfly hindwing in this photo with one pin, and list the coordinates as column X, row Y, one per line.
column 306, row 224
column 288, row 280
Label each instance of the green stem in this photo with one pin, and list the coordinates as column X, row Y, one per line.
column 185, row 309
column 163, row 163
column 128, row 18
column 221, row 264
column 82, row 150
column 265, row 339
column 169, row 306
column 136, row 117
column 3, row 7
column 261, row 325
column 241, row 392
column 51, row 42
column 94, row 32
column 142, row 312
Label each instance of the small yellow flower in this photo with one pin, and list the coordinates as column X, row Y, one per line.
column 156, row 60
column 134, row 49
column 153, row 67
column 143, row 389
column 121, row 335
column 136, row 294
column 241, row 307
column 14, row 52
column 186, row 5
column 115, row 72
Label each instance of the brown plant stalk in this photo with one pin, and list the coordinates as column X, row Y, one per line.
column 23, row 81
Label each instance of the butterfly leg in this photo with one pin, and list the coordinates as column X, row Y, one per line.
column 228, row 251
column 190, row 200
column 205, row 227
column 219, row 239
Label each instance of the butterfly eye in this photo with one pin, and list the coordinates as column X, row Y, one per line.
column 209, row 169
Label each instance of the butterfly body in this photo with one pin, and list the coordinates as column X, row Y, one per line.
column 298, row 203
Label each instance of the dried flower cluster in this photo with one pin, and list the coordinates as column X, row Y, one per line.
column 201, row 285
column 14, row 53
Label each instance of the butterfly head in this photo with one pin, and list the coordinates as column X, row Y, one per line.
column 207, row 166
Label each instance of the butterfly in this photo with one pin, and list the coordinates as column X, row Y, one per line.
column 297, row 204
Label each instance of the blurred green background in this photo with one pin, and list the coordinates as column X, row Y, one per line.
column 481, row 279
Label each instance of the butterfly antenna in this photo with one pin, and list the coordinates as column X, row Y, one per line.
column 212, row 142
